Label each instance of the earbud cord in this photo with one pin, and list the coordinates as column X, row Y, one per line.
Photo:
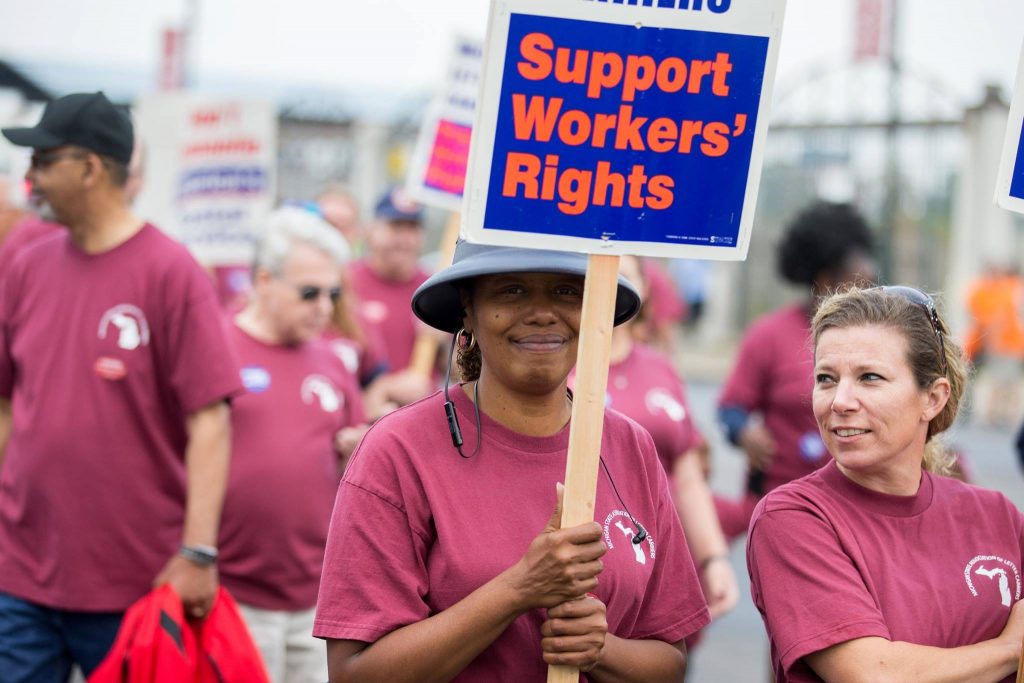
column 641, row 532
column 456, row 433
column 449, row 408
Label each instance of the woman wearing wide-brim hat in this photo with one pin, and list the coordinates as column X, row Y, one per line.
column 445, row 559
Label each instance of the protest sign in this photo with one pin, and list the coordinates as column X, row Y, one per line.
column 623, row 128
column 210, row 171
column 437, row 172
column 1010, row 182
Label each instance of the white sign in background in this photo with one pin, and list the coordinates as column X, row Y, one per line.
column 436, row 177
column 1010, row 181
column 210, row 171
column 758, row 18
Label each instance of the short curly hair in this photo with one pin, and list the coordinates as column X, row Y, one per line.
column 820, row 239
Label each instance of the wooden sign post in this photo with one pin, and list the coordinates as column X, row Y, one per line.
column 582, row 464
column 424, row 351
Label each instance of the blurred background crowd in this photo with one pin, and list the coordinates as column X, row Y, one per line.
column 896, row 107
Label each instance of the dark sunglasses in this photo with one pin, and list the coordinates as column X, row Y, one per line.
column 919, row 298
column 50, row 157
column 312, row 293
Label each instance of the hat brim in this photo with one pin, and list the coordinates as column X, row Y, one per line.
column 32, row 137
column 438, row 303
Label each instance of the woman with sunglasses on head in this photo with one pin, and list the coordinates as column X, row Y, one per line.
column 445, row 559
column 873, row 568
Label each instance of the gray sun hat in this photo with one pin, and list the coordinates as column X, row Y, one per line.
column 437, row 301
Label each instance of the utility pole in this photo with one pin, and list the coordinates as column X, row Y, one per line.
column 891, row 211
column 190, row 35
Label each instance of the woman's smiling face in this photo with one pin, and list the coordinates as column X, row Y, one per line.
column 527, row 326
column 871, row 413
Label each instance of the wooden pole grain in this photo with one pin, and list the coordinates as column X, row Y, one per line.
column 592, row 359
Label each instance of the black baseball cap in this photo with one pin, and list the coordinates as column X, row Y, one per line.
column 86, row 120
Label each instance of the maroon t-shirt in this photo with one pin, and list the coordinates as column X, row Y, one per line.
column 23, row 234
column 646, row 387
column 663, row 305
column 284, row 470
column 773, row 376
column 365, row 359
column 386, row 307
column 103, row 357
column 416, row 528
column 831, row 561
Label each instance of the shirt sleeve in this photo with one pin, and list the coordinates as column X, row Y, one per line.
column 745, row 386
column 201, row 365
column 374, row 577
column 6, row 311
column 355, row 413
column 673, row 604
column 689, row 435
column 808, row 590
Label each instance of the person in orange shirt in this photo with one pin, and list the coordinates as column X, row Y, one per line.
column 995, row 342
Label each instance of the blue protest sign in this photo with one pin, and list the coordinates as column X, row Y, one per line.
column 622, row 128
column 1010, row 183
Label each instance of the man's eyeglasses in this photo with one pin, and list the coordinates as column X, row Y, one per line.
column 313, row 293
column 919, row 298
column 50, row 157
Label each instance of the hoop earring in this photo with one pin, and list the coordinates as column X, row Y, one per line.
column 470, row 345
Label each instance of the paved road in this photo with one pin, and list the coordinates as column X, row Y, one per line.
column 735, row 648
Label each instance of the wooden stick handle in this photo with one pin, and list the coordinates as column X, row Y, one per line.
column 592, row 360
column 424, row 351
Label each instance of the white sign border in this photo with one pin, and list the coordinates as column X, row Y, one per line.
column 415, row 183
column 1014, row 138
column 750, row 19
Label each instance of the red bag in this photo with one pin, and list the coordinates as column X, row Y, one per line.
column 157, row 644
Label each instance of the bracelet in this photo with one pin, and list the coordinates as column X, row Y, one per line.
column 706, row 562
column 203, row 555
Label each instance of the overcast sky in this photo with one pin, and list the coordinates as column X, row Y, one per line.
column 404, row 43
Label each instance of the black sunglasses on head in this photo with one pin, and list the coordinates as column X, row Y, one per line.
column 919, row 298
column 312, row 293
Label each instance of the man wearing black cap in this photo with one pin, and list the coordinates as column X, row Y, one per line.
column 386, row 278
column 114, row 426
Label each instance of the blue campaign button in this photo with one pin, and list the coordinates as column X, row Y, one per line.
column 255, row 379
column 811, row 446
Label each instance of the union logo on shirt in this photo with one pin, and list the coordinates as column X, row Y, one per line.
column 317, row 388
column 128, row 323
column 619, row 521
column 660, row 400
column 996, row 570
column 374, row 311
column 346, row 354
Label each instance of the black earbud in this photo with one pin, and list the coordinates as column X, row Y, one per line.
column 453, row 423
column 641, row 534
column 449, row 407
